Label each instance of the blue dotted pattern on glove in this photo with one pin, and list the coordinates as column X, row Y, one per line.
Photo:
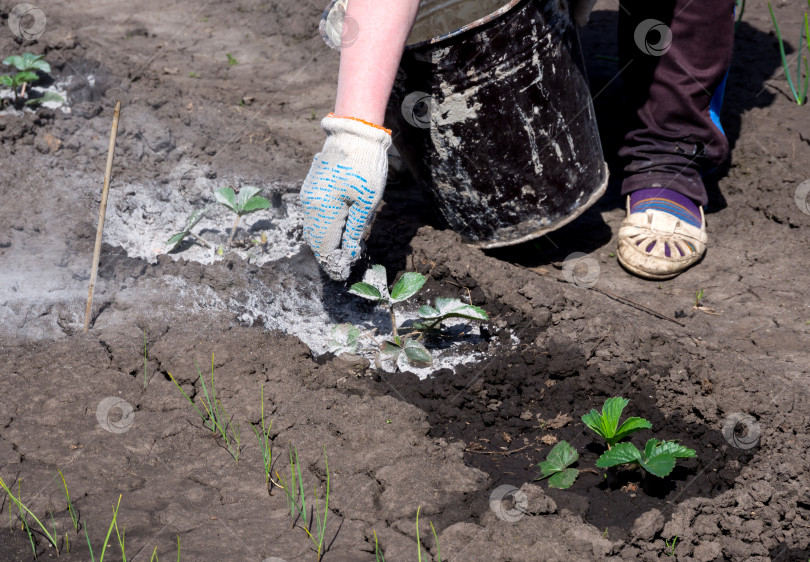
column 334, row 196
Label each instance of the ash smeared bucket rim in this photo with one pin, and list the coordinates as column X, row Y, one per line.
column 327, row 30
column 463, row 29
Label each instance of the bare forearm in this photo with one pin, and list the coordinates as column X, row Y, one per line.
column 368, row 65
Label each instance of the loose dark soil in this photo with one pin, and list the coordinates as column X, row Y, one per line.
column 394, row 443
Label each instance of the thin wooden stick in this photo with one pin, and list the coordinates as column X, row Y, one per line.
column 101, row 214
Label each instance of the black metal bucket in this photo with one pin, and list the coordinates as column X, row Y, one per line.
column 495, row 119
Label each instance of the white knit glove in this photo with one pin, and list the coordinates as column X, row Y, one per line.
column 342, row 190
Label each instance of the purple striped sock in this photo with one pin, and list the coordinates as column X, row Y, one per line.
column 667, row 201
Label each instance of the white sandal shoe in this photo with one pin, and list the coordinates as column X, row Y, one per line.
column 645, row 237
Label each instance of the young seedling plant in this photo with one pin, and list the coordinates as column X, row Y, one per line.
column 27, row 66
column 215, row 418
column 658, row 457
column 245, row 202
column 265, row 445
column 311, row 515
column 407, row 349
column 248, row 201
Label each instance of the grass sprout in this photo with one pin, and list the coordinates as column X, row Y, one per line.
column 799, row 88
column 265, row 446
column 419, row 538
column 216, row 417
column 312, row 516
column 25, row 512
column 113, row 524
column 73, row 517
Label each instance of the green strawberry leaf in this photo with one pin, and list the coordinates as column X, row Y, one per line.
column 594, row 420
column 227, row 197
column 630, row 425
column 611, row 412
column 176, row 239
column 255, row 204
column 365, row 290
column 196, row 217
column 47, row 97
column 7, row 81
column 28, row 61
column 245, row 193
column 669, row 448
column 564, row 479
column 407, row 286
column 621, row 453
column 560, row 457
column 417, row 354
column 377, row 278
column 452, row 308
column 26, row 76
column 659, row 465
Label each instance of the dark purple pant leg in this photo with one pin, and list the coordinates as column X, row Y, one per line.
column 674, row 87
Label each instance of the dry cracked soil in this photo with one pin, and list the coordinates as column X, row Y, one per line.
column 728, row 378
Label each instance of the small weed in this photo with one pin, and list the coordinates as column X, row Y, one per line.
column 698, row 297
column 378, row 555
column 193, row 74
column 231, row 60
column 215, row 418
column 799, row 88
column 297, row 501
column 344, row 339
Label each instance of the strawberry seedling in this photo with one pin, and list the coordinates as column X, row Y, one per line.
column 606, row 424
column 246, row 202
column 27, row 66
column 408, row 349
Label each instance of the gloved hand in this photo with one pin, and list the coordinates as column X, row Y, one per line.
column 342, row 190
